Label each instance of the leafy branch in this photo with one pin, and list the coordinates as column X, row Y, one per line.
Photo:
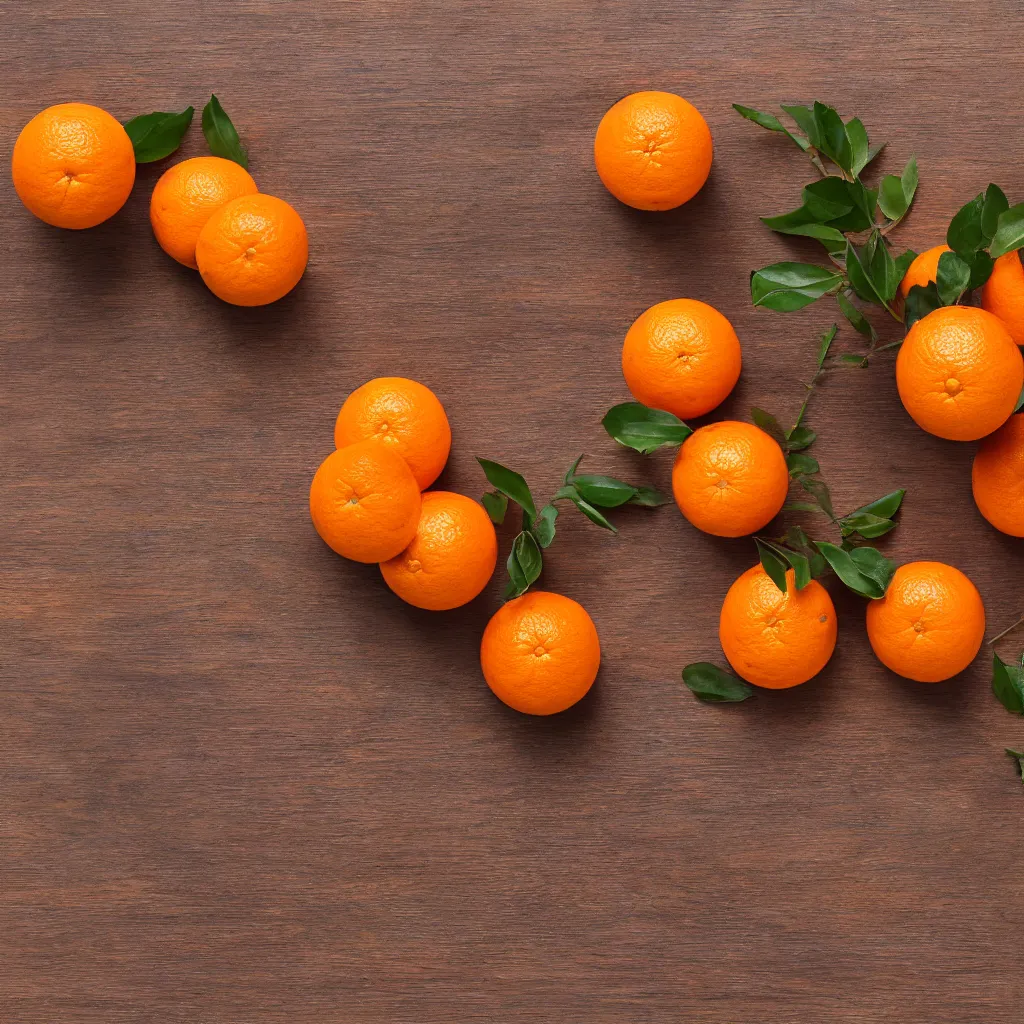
column 588, row 492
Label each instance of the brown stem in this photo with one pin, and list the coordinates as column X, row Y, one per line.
column 1007, row 631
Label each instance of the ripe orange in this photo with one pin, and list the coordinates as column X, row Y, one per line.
column 930, row 624
column 773, row 639
column 253, row 250
column 997, row 477
column 653, row 150
column 185, row 197
column 1003, row 294
column 959, row 373
column 403, row 414
column 540, row 653
column 73, row 165
column 365, row 502
column 450, row 559
column 923, row 270
column 682, row 356
column 730, row 479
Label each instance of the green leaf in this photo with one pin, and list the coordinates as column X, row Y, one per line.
column 864, row 200
column 157, row 135
column 866, row 524
column 770, row 425
column 874, row 151
column 857, row 319
column 643, row 429
column 827, row 199
column 649, row 497
column 800, row 438
column 921, row 300
column 496, row 505
column 854, row 359
column 818, row 490
column 801, row 568
column 571, row 471
column 996, row 204
column 801, row 222
column 544, row 527
column 832, row 138
column 859, row 272
column 786, row 287
column 603, row 491
column 511, row 484
column 981, row 269
column 896, row 192
column 858, row 136
column 805, row 120
column 771, row 122
column 826, row 343
column 846, row 569
column 1019, row 757
column 709, row 683
column 952, row 278
column 801, row 464
column 888, row 505
column 1008, row 684
column 220, row 134
column 965, row 236
column 1009, row 233
column 797, row 540
column 592, row 514
column 524, row 564
column 801, row 506
column 872, row 564
column 774, row 562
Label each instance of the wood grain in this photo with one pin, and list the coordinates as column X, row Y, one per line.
column 240, row 781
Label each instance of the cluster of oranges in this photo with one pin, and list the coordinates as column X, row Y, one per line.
column 437, row 550
column 74, row 167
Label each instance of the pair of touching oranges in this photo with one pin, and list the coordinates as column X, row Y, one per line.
column 74, row 167
column 437, row 550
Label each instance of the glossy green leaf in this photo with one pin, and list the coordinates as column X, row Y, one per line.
column 797, row 540
column 826, row 343
column 799, row 464
column 770, row 425
column 827, row 199
column 1019, row 758
column 800, row 438
column 603, row 491
column 952, row 278
column 995, row 205
column 157, row 135
column 544, row 527
column 804, row 118
column 873, row 565
column 865, row 524
column 496, row 505
column 858, row 321
column 965, row 235
column 865, row 201
column 786, row 287
column 593, row 515
column 773, row 562
column 818, row 490
column 858, row 269
column 524, row 564
column 859, row 146
column 509, row 483
column 1008, row 684
column 220, row 133
column 571, row 471
column 649, row 497
column 832, row 138
column 644, row 429
column 921, row 300
column 846, row 569
column 771, row 122
column 896, row 192
column 709, row 683
column 1009, row 233
column 888, row 505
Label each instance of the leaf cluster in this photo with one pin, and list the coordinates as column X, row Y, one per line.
column 158, row 135
column 588, row 492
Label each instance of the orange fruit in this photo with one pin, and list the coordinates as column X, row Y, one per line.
column 653, row 150
column 682, row 356
column 730, row 479
column 450, row 559
column 185, row 197
column 997, row 477
column 73, row 165
column 930, row 624
column 959, row 373
column 773, row 639
column 403, row 414
column 365, row 502
column 923, row 270
column 540, row 653
column 253, row 250
column 1003, row 294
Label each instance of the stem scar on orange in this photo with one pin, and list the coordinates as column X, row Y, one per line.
column 730, row 479
column 403, row 414
column 73, row 165
column 930, row 624
column 365, row 502
column 997, row 477
column 450, row 559
column 653, row 150
column 959, row 374
column 185, row 198
column 681, row 356
column 774, row 639
column 540, row 653
column 253, row 250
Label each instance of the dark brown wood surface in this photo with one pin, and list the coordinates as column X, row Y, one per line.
column 240, row 782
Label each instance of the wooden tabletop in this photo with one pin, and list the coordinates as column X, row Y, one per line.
column 240, row 782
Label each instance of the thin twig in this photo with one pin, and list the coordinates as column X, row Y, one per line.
column 1007, row 631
